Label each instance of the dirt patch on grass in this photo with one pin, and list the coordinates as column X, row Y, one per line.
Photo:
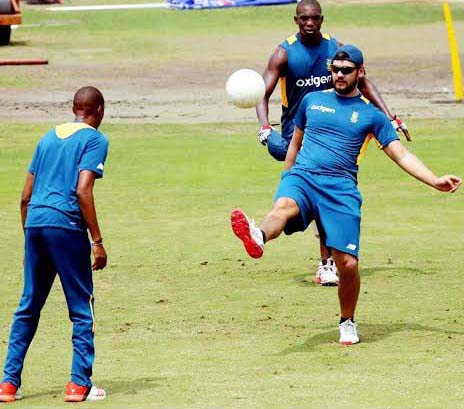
column 410, row 65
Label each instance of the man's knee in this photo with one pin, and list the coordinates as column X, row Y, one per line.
column 347, row 264
column 277, row 146
column 286, row 207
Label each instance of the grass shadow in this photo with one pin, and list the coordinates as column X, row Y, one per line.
column 112, row 387
column 369, row 333
column 16, row 43
column 131, row 386
column 306, row 280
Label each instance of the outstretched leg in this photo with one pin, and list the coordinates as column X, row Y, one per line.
column 271, row 227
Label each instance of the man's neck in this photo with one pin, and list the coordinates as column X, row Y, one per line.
column 352, row 94
column 311, row 40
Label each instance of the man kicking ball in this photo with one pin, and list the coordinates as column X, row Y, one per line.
column 320, row 180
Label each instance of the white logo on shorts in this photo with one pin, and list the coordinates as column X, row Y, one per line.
column 351, row 246
column 100, row 166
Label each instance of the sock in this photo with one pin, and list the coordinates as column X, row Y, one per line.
column 264, row 236
column 342, row 320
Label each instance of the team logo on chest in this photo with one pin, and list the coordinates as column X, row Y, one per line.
column 328, row 64
column 354, row 117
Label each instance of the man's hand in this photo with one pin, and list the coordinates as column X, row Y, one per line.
column 99, row 257
column 399, row 125
column 264, row 133
column 447, row 183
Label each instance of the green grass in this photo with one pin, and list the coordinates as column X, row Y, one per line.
column 186, row 320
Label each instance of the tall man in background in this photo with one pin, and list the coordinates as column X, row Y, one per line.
column 302, row 63
column 57, row 209
column 332, row 130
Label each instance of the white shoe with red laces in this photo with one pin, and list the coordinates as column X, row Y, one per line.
column 326, row 273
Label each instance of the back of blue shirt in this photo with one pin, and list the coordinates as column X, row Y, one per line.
column 337, row 130
column 59, row 157
column 308, row 70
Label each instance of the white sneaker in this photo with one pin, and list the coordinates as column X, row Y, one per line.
column 348, row 333
column 248, row 232
column 326, row 274
column 96, row 394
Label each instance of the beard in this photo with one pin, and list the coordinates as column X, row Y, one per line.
column 346, row 90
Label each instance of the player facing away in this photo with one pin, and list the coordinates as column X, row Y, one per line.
column 57, row 209
column 302, row 64
column 332, row 130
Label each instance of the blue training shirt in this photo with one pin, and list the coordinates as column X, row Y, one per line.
column 59, row 157
column 308, row 70
column 337, row 130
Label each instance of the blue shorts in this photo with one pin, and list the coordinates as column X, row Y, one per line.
column 334, row 202
column 277, row 144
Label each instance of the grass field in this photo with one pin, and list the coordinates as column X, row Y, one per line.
column 184, row 318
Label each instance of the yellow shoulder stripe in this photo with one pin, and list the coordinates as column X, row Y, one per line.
column 366, row 101
column 326, row 36
column 328, row 90
column 291, row 39
column 66, row 130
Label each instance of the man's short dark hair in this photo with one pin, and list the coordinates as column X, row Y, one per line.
column 311, row 3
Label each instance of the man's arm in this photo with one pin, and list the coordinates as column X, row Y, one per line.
column 26, row 197
column 412, row 165
column 371, row 92
column 294, row 147
column 277, row 62
column 87, row 205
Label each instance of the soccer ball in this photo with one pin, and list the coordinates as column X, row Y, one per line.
column 245, row 88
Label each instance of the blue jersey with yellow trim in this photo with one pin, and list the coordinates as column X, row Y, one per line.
column 59, row 157
column 337, row 130
column 308, row 70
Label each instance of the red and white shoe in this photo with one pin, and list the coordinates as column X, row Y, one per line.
column 9, row 392
column 79, row 393
column 248, row 232
column 326, row 273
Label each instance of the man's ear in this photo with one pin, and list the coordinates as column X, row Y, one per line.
column 362, row 72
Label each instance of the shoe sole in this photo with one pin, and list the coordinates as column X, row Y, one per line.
column 74, row 398
column 241, row 228
column 7, row 398
column 348, row 343
column 317, row 280
column 329, row 284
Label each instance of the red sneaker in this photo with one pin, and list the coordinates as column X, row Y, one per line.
column 9, row 392
column 248, row 232
column 79, row 393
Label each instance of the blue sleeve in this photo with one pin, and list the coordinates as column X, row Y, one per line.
column 383, row 130
column 300, row 116
column 33, row 165
column 94, row 155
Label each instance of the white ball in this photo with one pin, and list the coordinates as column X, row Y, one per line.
column 245, row 88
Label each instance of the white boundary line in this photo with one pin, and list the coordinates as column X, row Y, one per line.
column 111, row 7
